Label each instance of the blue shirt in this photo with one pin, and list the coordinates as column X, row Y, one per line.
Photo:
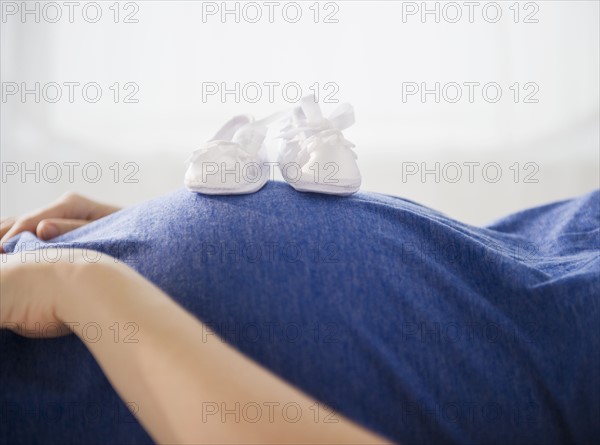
column 419, row 327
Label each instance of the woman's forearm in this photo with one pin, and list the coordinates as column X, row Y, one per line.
column 188, row 387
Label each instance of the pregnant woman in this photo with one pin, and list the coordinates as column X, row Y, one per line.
column 296, row 317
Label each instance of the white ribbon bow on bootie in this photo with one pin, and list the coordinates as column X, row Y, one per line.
column 311, row 130
column 216, row 149
column 325, row 138
column 309, row 120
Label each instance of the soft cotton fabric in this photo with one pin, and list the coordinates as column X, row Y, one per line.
column 419, row 327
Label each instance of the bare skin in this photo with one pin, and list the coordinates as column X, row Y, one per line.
column 68, row 212
column 175, row 376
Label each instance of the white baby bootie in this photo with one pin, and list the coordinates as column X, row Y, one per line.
column 233, row 162
column 315, row 156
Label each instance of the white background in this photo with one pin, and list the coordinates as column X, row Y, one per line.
column 369, row 53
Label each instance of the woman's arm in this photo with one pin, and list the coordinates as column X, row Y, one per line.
column 187, row 386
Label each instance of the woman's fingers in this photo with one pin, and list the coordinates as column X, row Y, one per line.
column 5, row 225
column 53, row 227
column 98, row 211
column 20, row 225
column 70, row 206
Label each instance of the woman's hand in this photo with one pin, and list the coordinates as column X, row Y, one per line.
column 43, row 298
column 68, row 212
column 31, row 289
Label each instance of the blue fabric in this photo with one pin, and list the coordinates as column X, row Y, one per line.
column 422, row 328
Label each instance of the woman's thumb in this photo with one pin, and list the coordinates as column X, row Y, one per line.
column 53, row 227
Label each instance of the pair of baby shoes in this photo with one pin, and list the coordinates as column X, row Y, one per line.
column 313, row 156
